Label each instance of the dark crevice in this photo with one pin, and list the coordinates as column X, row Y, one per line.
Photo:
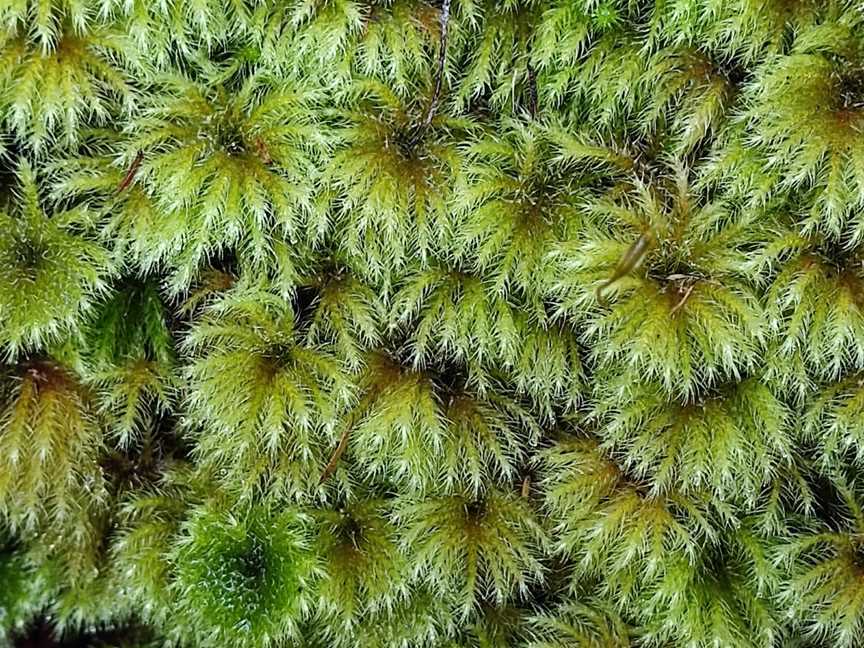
column 475, row 511
column 304, row 304
column 42, row 634
column 828, row 505
column 350, row 530
column 29, row 256
column 251, row 564
column 225, row 260
column 850, row 88
column 449, row 380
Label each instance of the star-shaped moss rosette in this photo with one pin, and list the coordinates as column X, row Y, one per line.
column 244, row 578
column 50, row 273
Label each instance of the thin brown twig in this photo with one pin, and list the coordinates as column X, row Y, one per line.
column 687, row 292
column 439, row 74
column 130, row 174
column 337, row 454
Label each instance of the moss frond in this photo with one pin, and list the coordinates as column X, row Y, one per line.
column 803, row 113
column 730, row 441
column 610, row 525
column 518, row 198
column 50, row 445
column 149, row 521
column 815, row 303
column 365, row 570
column 823, row 583
column 725, row 598
column 20, row 595
column 594, row 623
column 387, row 40
column 347, row 313
column 49, row 273
column 832, row 421
column 688, row 316
column 456, row 314
column 391, row 175
column 293, row 392
column 428, row 428
column 242, row 578
column 477, row 548
column 60, row 71
column 232, row 165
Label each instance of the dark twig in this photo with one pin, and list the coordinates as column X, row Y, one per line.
column 337, row 454
column 686, row 295
column 130, row 174
column 532, row 91
column 439, row 74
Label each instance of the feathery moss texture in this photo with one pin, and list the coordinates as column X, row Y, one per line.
column 432, row 323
